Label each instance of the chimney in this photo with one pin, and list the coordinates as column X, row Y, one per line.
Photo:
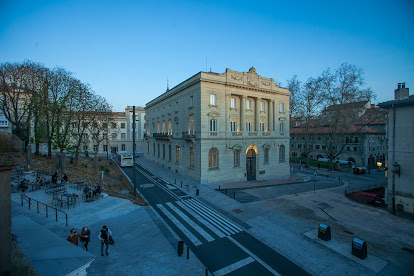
column 401, row 92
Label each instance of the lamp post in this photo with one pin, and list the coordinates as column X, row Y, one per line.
column 379, row 164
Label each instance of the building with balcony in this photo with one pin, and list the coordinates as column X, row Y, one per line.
column 400, row 133
column 220, row 128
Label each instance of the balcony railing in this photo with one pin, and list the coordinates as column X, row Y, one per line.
column 266, row 133
column 187, row 135
column 252, row 133
column 212, row 133
column 236, row 133
column 161, row 136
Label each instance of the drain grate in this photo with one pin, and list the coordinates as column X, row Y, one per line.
column 409, row 250
column 237, row 211
column 349, row 232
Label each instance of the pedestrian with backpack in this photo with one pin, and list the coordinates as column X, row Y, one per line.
column 105, row 235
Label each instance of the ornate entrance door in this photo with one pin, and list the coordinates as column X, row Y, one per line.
column 251, row 165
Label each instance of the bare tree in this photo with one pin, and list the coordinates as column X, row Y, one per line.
column 15, row 100
column 343, row 92
column 100, row 126
column 294, row 86
column 310, row 98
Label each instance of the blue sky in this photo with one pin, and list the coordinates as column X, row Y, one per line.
column 126, row 50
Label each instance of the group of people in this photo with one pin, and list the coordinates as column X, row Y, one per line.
column 24, row 184
column 55, row 178
column 105, row 236
column 89, row 192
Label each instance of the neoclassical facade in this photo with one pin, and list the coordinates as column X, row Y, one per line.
column 220, row 128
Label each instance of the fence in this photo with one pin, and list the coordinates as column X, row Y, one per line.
column 29, row 200
column 350, row 190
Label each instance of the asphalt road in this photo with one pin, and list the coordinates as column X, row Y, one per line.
column 224, row 247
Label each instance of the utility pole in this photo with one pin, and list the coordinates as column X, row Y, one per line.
column 133, row 150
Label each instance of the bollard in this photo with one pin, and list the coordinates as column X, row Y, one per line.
column 197, row 192
column 234, row 195
column 219, row 187
column 180, row 248
column 226, row 191
column 175, row 181
column 181, row 184
column 188, row 252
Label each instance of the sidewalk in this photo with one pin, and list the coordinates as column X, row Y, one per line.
column 144, row 245
column 286, row 223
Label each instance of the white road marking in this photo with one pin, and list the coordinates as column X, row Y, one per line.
column 233, row 267
column 238, row 229
column 180, row 226
column 192, row 223
column 210, row 218
column 254, row 256
column 203, row 221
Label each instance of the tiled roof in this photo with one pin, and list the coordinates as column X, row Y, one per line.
column 406, row 101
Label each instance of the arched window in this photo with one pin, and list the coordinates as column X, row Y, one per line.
column 191, row 157
column 282, row 153
column 213, row 158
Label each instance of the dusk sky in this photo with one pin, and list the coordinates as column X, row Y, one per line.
column 126, row 50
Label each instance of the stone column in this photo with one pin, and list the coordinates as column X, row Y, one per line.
column 257, row 117
column 270, row 116
column 242, row 113
column 9, row 155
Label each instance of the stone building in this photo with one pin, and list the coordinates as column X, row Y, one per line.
column 363, row 141
column 120, row 135
column 218, row 128
column 400, row 133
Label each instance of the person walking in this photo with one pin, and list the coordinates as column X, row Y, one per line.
column 85, row 232
column 74, row 237
column 104, row 235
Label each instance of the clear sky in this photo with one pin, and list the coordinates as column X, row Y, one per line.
column 126, row 50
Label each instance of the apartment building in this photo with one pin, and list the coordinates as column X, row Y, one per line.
column 217, row 128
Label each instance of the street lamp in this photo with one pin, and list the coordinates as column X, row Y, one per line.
column 379, row 164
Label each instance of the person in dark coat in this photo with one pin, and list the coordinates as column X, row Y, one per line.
column 104, row 235
column 85, row 232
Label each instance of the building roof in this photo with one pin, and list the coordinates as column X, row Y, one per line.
column 400, row 102
column 326, row 130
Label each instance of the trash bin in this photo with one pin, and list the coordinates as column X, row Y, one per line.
column 324, row 232
column 359, row 248
column 180, row 248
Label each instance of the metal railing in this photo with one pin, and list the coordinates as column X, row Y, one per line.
column 29, row 200
column 350, row 190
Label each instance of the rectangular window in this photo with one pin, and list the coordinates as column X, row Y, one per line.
column 177, row 154
column 158, row 147
column 237, row 158
column 114, row 135
column 249, row 104
column 233, row 126
column 191, row 157
column 123, row 146
column 122, row 125
column 95, row 147
column 213, row 125
column 266, row 155
column 169, row 152
column 282, row 107
column 163, row 151
column 123, row 135
column 348, row 148
column 262, row 106
column 355, row 149
column 105, row 147
column 323, row 147
column 249, row 126
column 317, row 146
column 282, row 127
column 169, row 108
column 191, row 101
column 212, row 99
column 233, row 103
column 153, row 149
column 176, row 106
column 262, row 127
column 356, row 139
column 113, row 125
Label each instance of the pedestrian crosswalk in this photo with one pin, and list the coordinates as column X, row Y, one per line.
column 198, row 222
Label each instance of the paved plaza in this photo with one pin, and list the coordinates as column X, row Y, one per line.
column 283, row 220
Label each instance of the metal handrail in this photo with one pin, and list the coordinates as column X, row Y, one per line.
column 28, row 199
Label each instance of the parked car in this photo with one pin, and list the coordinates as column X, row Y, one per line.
column 359, row 170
